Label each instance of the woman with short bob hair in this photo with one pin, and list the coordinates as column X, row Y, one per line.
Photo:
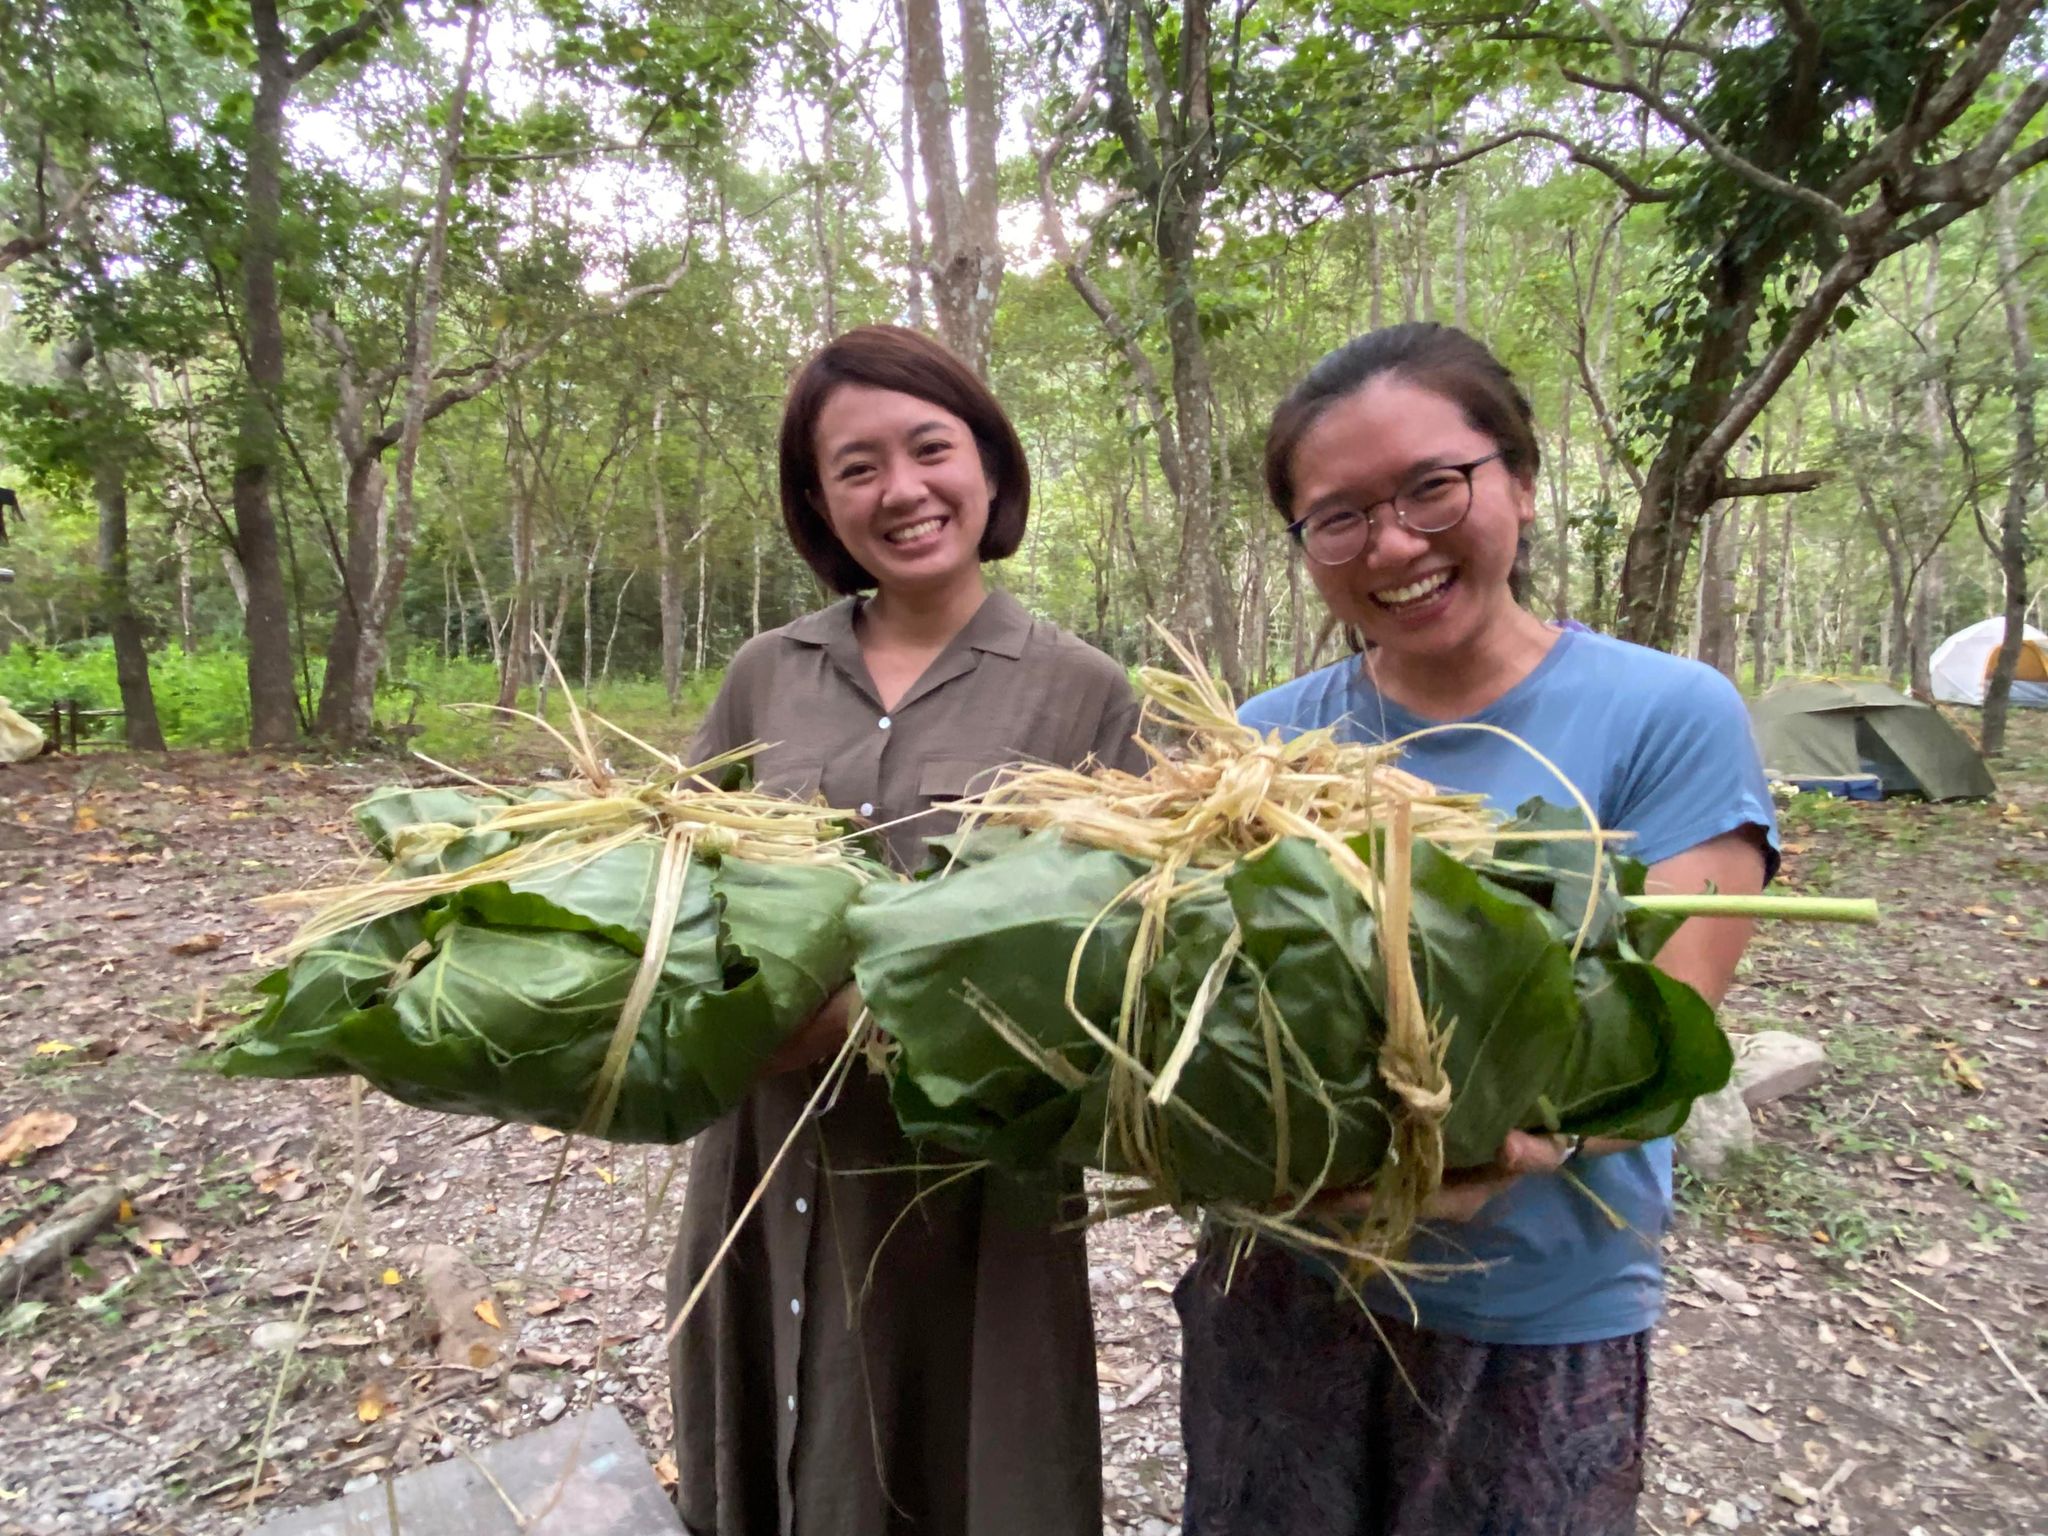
column 890, row 1345
column 1503, row 1388
column 888, row 357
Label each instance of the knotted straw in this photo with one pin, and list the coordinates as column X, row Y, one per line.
column 1222, row 793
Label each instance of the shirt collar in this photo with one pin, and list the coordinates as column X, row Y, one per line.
column 1000, row 625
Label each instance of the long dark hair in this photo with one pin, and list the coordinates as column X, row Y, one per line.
column 909, row 362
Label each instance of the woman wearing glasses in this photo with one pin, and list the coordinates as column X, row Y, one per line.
column 1510, row 1397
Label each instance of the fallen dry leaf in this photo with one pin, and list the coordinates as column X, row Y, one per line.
column 160, row 1229
column 8, row 1242
column 373, row 1403
column 1762, row 1431
column 34, row 1132
column 665, row 1472
column 199, row 944
column 487, row 1310
column 184, row 1257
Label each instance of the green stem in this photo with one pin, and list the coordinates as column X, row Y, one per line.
column 1798, row 909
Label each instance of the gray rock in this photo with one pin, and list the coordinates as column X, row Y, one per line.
column 1771, row 1064
column 1717, row 1130
column 552, row 1410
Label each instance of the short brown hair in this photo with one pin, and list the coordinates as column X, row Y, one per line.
column 1438, row 358
column 910, row 363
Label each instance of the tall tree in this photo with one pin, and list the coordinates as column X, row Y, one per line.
column 963, row 250
column 1819, row 142
column 2013, row 546
column 273, row 702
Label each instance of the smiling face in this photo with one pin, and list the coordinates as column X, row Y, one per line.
column 1417, row 596
column 902, row 486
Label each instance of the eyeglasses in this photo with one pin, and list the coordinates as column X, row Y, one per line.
column 1434, row 501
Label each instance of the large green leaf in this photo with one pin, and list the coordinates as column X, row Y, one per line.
column 1282, row 958
column 501, row 998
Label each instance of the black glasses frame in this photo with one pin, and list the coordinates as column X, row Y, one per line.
column 1298, row 529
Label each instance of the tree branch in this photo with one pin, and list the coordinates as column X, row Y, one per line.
column 1115, row 74
column 1787, row 484
column 500, row 368
column 1696, row 131
column 1121, row 332
column 21, row 247
column 1636, row 191
column 328, row 44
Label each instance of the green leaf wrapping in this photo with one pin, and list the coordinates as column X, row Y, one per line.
column 500, row 999
column 1605, row 1044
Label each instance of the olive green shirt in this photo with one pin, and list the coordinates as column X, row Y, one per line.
column 896, row 1351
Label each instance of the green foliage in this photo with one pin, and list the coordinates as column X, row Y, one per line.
column 202, row 698
column 1279, row 962
column 500, row 998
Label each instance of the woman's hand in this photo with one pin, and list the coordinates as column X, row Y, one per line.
column 820, row 1036
column 1465, row 1191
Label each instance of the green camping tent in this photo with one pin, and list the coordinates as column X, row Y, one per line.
column 1822, row 728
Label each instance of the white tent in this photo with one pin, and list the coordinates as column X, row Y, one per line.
column 1962, row 665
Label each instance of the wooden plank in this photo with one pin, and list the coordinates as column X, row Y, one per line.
column 585, row 1476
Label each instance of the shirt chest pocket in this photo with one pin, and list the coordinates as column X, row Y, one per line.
column 955, row 778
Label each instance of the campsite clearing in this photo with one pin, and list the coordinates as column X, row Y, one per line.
column 1853, row 1313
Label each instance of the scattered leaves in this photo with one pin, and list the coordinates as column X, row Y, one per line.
column 37, row 1131
column 199, row 944
column 487, row 1311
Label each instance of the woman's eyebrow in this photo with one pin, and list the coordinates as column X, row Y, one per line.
column 871, row 445
column 1420, row 466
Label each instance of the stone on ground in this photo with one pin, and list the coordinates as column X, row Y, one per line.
column 1717, row 1130
column 1771, row 1064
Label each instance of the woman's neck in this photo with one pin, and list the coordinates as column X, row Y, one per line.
column 922, row 619
column 1452, row 685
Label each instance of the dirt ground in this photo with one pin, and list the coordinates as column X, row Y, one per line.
column 1856, row 1342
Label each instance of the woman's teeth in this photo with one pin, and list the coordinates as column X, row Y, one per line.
column 1414, row 592
column 912, row 531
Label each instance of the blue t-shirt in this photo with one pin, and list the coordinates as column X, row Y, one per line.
column 1660, row 747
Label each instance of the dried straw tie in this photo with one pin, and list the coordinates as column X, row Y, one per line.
column 1229, row 794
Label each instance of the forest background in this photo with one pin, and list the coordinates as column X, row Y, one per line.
column 348, row 353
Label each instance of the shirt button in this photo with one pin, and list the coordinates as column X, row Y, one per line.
column 867, row 808
column 802, row 1205
column 796, row 1306
column 883, row 722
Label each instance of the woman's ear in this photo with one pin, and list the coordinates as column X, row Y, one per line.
column 1525, row 499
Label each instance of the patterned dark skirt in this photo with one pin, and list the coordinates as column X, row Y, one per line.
column 1306, row 1416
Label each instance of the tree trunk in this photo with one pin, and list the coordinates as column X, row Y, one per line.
column 913, row 217
column 519, row 617
column 2025, row 474
column 1561, row 498
column 117, row 605
column 266, row 621
column 703, row 604
column 964, row 250
column 671, row 597
column 1759, row 607
column 1717, row 592
column 181, row 537
column 1460, row 312
column 383, row 602
column 1375, row 265
column 589, row 621
column 363, row 516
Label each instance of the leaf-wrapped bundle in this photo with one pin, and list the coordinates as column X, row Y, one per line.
column 488, row 972
column 985, row 973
